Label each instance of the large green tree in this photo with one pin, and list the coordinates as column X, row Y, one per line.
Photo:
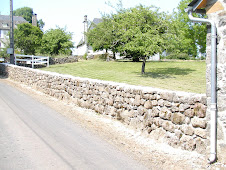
column 27, row 38
column 57, row 41
column 141, row 32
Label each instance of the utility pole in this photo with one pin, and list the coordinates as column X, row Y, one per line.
column 11, row 51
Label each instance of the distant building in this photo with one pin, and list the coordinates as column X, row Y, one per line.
column 5, row 27
column 83, row 46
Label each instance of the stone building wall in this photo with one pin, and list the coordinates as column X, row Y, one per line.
column 220, row 19
column 176, row 118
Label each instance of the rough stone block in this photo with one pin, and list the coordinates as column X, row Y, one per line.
column 201, row 133
column 137, row 100
column 154, row 112
column 198, row 123
column 187, row 130
column 165, row 113
column 168, row 126
column 148, row 105
column 189, row 113
column 200, row 110
column 177, row 118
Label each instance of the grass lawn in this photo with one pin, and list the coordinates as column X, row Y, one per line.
column 174, row 75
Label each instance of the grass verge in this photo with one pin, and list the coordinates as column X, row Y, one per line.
column 173, row 75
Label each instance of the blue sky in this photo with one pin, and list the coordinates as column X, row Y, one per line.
column 70, row 13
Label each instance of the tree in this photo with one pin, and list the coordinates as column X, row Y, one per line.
column 186, row 36
column 136, row 32
column 57, row 41
column 141, row 31
column 27, row 38
column 24, row 12
column 102, row 36
column 27, row 14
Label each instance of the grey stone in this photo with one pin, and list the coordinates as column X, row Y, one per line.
column 188, row 130
column 201, row 146
column 148, row 105
column 154, row 112
column 222, row 22
column 200, row 110
column 189, row 113
column 168, row 126
column 201, row 133
column 177, row 118
column 183, row 107
column 188, row 143
column 155, row 103
column 137, row 100
column 165, row 113
column 198, row 122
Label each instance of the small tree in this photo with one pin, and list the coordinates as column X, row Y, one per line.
column 27, row 38
column 57, row 41
column 103, row 36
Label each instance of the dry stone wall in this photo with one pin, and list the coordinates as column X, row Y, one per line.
column 64, row 60
column 177, row 118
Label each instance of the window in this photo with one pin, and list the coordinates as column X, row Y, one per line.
column 4, row 25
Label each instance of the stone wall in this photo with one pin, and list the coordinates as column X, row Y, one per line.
column 220, row 19
column 176, row 118
column 63, row 60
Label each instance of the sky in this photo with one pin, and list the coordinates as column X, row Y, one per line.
column 69, row 14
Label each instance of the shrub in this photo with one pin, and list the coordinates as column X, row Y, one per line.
column 179, row 56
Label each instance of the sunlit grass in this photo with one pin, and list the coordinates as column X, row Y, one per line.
column 174, row 75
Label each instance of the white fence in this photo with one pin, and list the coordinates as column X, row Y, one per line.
column 31, row 60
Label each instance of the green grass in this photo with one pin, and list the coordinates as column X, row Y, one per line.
column 174, row 75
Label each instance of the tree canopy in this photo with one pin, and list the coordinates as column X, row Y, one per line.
column 57, row 41
column 140, row 32
column 136, row 32
column 27, row 38
column 186, row 36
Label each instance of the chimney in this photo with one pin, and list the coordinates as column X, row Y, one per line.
column 85, row 31
column 34, row 20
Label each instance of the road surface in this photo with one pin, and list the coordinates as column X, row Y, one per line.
column 33, row 136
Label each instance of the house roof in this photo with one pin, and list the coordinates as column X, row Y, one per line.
column 198, row 4
column 91, row 26
column 206, row 6
column 5, row 19
column 95, row 22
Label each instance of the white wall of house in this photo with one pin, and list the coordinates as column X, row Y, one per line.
column 3, row 38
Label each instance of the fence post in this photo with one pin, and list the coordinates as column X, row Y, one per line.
column 48, row 61
column 15, row 59
column 32, row 61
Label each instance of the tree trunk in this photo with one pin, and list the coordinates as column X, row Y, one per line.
column 143, row 66
column 114, row 57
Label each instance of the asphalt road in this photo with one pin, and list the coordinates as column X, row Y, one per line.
column 33, row 136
